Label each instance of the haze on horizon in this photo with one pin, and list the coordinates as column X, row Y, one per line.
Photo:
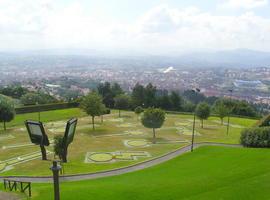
column 152, row 26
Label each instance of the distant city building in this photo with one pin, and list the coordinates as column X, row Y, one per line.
column 248, row 84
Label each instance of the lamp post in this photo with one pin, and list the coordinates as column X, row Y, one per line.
column 228, row 122
column 197, row 90
column 55, row 169
column 38, row 111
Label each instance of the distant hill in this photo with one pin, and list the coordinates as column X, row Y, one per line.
column 87, row 58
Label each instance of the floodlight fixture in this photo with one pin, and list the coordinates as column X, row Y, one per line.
column 38, row 136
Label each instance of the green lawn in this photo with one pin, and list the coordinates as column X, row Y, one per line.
column 47, row 116
column 208, row 173
column 111, row 136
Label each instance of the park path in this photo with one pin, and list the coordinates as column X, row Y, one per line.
column 114, row 172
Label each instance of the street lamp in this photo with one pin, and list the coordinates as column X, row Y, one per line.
column 55, row 169
column 228, row 122
column 38, row 111
column 197, row 90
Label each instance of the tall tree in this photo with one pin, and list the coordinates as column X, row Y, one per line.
column 104, row 89
column 202, row 112
column 7, row 112
column 220, row 109
column 116, row 90
column 93, row 106
column 153, row 118
column 150, row 95
column 138, row 96
column 176, row 101
column 122, row 102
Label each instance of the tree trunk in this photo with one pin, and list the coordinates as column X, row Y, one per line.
column 202, row 123
column 119, row 113
column 101, row 118
column 154, row 136
column 5, row 128
column 93, row 122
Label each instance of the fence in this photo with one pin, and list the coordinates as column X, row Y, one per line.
column 13, row 185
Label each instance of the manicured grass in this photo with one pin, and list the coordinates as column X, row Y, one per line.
column 109, row 136
column 207, row 173
column 47, row 116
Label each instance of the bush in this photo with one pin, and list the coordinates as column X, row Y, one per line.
column 256, row 137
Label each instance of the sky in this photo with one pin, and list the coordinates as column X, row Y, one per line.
column 150, row 26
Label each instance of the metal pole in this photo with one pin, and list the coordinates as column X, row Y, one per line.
column 55, row 169
column 193, row 132
column 228, row 122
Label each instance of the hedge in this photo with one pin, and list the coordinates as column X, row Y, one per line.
column 45, row 107
column 256, row 137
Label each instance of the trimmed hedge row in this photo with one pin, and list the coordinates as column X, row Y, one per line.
column 256, row 137
column 45, row 107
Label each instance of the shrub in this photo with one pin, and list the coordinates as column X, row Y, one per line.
column 256, row 137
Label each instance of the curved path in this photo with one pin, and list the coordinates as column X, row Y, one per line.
column 114, row 172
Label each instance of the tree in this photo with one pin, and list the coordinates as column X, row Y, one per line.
column 122, row 102
column 59, row 147
column 220, row 109
column 116, row 90
column 153, row 118
column 138, row 110
column 164, row 102
column 150, row 95
column 104, row 89
column 93, row 106
column 202, row 111
column 7, row 112
column 104, row 111
column 176, row 101
column 138, row 96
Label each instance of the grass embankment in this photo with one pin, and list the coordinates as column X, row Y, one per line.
column 208, row 173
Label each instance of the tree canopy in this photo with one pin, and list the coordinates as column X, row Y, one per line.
column 93, row 106
column 122, row 102
column 7, row 112
column 153, row 118
column 202, row 111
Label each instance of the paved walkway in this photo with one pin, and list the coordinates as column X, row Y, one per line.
column 8, row 196
column 136, row 167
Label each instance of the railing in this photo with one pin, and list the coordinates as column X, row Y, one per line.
column 13, row 185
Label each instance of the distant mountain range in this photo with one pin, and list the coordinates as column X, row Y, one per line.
column 85, row 57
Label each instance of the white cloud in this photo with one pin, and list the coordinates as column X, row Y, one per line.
column 162, row 29
column 246, row 4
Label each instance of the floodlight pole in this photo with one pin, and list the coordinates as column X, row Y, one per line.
column 55, row 169
column 194, row 121
column 228, row 122
column 43, row 152
column 193, row 131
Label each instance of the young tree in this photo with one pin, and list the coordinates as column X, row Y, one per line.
column 153, row 118
column 7, row 112
column 202, row 112
column 138, row 110
column 122, row 102
column 92, row 105
column 220, row 109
